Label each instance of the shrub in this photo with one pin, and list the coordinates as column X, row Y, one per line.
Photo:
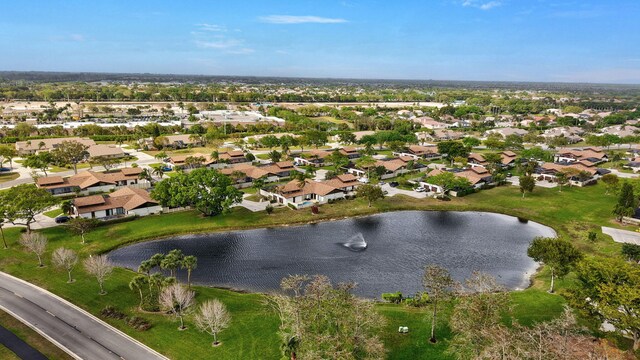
column 269, row 209
column 394, row 298
column 420, row 299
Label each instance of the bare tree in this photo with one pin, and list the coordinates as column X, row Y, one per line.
column 66, row 259
column 177, row 299
column 438, row 284
column 100, row 267
column 36, row 243
column 212, row 318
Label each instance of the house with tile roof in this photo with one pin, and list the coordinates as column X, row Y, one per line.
column 299, row 194
column 590, row 154
column 420, row 152
column 87, row 182
column 126, row 201
column 579, row 173
column 225, row 158
column 109, row 151
column 37, row 145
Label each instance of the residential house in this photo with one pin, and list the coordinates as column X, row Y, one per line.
column 586, row 155
column 393, row 167
column 508, row 131
column 34, row 146
column 127, row 201
column 299, row 194
column 620, row 130
column 430, row 123
column 87, row 182
column 579, row 173
column 224, row 159
column 420, row 152
column 182, row 141
column 350, row 152
column 477, row 176
column 571, row 133
column 508, row 159
column 109, row 151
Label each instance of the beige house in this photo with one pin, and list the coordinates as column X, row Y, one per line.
column 36, row 145
column 300, row 195
column 109, row 151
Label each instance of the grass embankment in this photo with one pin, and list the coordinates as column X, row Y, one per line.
column 30, row 337
column 8, row 176
column 253, row 331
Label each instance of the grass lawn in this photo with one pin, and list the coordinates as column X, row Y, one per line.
column 8, row 176
column 253, row 331
column 30, row 337
column 331, row 119
column 53, row 213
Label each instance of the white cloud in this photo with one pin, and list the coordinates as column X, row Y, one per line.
column 290, row 19
column 212, row 27
column 482, row 5
column 214, row 37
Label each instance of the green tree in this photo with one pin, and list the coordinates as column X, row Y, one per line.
column 453, row 149
column 449, row 181
column 207, row 190
column 370, row 192
column 439, row 284
column 23, row 202
column 558, row 254
column 8, row 153
column 81, row 226
column 631, row 252
column 561, row 179
column 611, row 182
column 70, row 153
column 172, row 261
column 366, row 162
column 609, row 289
column 627, row 202
column 527, row 184
column 471, row 142
column 275, row 155
column 339, row 161
column 40, row 161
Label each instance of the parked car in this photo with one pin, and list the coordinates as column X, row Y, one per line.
column 394, row 184
column 381, row 183
column 420, row 189
column 62, row 219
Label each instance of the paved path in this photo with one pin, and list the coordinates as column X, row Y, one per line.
column 75, row 331
column 252, row 205
column 622, row 236
column 18, row 346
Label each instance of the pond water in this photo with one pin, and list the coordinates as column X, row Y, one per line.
column 381, row 253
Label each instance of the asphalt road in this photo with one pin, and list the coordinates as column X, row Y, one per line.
column 18, row 346
column 72, row 329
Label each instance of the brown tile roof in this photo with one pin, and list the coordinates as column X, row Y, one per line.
column 87, row 179
column 104, row 150
column 293, row 188
column 562, row 168
column 391, row 165
column 127, row 198
column 50, row 180
column 477, row 157
column 89, row 200
column 421, row 150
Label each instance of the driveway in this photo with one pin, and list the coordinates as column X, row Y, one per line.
column 395, row 191
column 252, row 205
column 622, row 236
column 515, row 181
column 72, row 329
column 18, row 346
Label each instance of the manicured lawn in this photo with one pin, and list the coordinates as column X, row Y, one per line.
column 53, row 213
column 253, row 331
column 30, row 337
column 8, row 176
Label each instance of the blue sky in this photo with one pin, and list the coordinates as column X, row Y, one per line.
column 513, row 40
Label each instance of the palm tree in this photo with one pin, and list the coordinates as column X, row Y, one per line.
column 146, row 175
column 136, row 284
column 158, row 171
column 190, row 263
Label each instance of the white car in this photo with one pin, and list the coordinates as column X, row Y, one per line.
column 364, row 180
column 420, row 189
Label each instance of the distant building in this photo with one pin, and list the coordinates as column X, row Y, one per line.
column 36, row 145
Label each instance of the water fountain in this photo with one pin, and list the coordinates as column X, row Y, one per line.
column 356, row 243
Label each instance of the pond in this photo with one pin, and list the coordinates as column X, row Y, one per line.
column 381, row 253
